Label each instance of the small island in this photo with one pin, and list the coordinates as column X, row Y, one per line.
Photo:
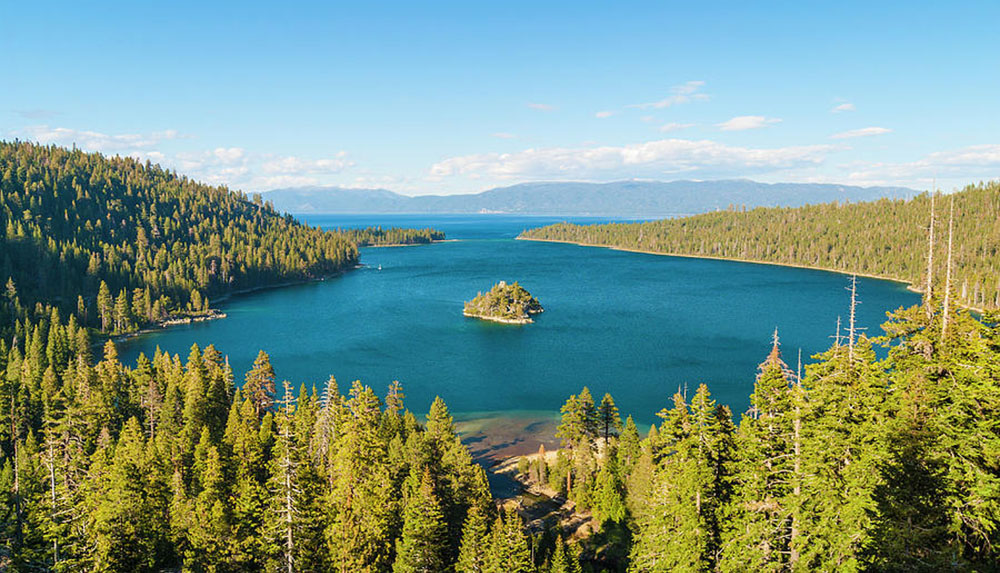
column 509, row 304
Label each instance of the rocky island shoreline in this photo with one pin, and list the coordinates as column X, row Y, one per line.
column 504, row 303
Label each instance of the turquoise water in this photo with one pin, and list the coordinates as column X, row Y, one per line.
column 639, row 326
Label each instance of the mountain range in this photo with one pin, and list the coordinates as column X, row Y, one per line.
column 615, row 199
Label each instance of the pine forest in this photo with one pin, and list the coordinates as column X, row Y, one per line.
column 881, row 453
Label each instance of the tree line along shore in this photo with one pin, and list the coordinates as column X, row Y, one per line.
column 886, row 238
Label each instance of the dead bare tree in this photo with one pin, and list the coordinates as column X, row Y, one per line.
column 947, row 280
column 928, row 288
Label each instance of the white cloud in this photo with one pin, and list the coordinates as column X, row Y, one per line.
column 973, row 156
column 684, row 93
column 291, row 165
column 230, row 154
column 649, row 159
column 842, row 108
column 125, row 144
column 668, row 127
column 863, row 132
column 604, row 114
column 238, row 168
column 745, row 122
column 231, row 166
column 541, row 106
column 503, row 135
column 964, row 165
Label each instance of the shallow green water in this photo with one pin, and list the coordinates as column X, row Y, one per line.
column 638, row 326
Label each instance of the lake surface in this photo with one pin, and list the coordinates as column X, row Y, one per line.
column 638, row 326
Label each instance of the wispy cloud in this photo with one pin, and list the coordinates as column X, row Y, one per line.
column 863, row 132
column 236, row 167
column 37, row 113
column 975, row 162
column 503, row 135
column 745, row 122
column 541, row 106
column 649, row 159
column 605, row 114
column 232, row 166
column 97, row 141
column 847, row 106
column 684, row 93
column 668, row 127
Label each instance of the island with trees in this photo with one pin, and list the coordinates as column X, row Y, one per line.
column 506, row 303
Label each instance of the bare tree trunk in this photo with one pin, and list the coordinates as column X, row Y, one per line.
column 569, row 479
column 793, row 558
column 17, row 473
column 289, row 487
column 289, row 542
column 851, row 323
column 947, row 281
column 836, row 338
column 930, row 263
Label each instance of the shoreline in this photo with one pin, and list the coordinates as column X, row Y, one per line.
column 909, row 285
column 499, row 319
column 215, row 313
column 408, row 244
column 218, row 313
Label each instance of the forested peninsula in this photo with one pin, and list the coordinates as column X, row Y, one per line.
column 886, row 238
column 115, row 244
column 391, row 237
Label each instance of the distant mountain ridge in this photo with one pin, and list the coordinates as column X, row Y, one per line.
column 619, row 198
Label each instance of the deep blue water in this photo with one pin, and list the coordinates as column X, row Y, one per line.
column 636, row 325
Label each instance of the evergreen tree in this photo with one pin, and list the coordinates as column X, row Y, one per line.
column 578, row 429
column 249, row 493
column 105, row 306
column 609, row 495
column 422, row 547
column 757, row 519
column 509, row 551
column 564, row 559
column 610, row 421
column 474, row 552
column 679, row 530
column 208, row 529
column 362, row 501
column 259, row 385
column 282, row 517
column 126, row 506
column 842, row 451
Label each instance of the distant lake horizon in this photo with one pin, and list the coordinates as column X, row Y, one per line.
column 639, row 326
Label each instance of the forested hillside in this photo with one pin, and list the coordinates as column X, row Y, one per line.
column 168, row 464
column 886, row 238
column 162, row 244
column 118, row 244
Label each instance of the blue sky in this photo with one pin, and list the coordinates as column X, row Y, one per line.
column 458, row 97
